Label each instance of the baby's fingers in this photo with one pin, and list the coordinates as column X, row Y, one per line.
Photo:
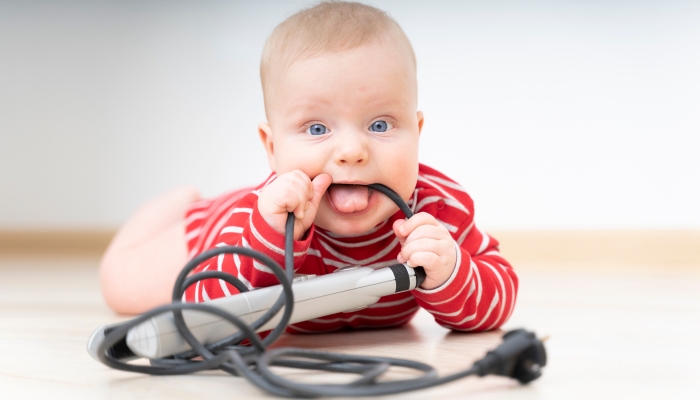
column 291, row 198
column 397, row 230
column 424, row 259
column 301, row 197
column 304, row 183
column 318, row 188
column 420, row 245
column 414, row 222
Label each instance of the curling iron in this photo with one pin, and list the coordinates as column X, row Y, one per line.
column 348, row 289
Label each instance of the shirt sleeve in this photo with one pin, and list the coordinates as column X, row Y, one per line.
column 480, row 294
column 250, row 230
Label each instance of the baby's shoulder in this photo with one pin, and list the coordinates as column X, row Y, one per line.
column 241, row 198
column 206, row 219
column 206, row 208
column 441, row 196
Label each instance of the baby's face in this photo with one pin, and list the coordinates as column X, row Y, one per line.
column 352, row 115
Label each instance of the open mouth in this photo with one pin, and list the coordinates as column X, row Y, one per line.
column 350, row 199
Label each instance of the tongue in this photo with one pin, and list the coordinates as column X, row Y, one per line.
column 349, row 198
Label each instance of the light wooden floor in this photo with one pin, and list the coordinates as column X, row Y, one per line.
column 616, row 332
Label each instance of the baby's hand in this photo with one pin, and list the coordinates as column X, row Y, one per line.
column 426, row 243
column 292, row 192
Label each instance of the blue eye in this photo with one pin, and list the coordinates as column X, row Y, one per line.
column 380, row 126
column 317, row 129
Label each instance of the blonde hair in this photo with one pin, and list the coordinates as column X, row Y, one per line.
column 329, row 26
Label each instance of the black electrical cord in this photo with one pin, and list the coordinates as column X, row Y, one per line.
column 520, row 356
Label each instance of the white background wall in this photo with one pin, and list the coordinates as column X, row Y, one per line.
column 552, row 114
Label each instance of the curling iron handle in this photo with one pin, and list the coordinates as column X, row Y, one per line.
column 420, row 275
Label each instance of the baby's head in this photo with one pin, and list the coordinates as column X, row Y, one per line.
column 339, row 82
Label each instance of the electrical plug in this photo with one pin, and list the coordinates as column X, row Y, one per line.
column 521, row 356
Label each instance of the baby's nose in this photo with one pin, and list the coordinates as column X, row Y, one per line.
column 352, row 150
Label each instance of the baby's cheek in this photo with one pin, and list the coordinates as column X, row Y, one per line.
column 291, row 155
column 402, row 161
column 405, row 180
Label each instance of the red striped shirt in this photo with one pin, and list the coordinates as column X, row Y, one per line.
column 479, row 295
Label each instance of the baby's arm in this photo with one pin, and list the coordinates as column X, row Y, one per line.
column 480, row 293
column 261, row 227
column 138, row 269
column 468, row 285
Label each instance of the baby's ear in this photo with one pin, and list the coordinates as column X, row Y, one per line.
column 419, row 114
column 266, row 138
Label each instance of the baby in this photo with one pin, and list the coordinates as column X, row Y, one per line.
column 340, row 90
